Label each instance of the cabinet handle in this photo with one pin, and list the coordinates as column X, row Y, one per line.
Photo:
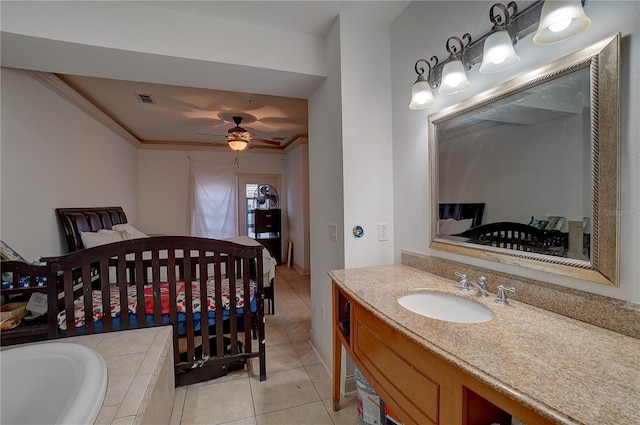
column 268, row 225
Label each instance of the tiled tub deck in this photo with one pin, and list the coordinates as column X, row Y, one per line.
column 140, row 387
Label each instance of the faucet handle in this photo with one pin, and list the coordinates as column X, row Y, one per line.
column 482, row 280
column 462, row 285
column 501, row 296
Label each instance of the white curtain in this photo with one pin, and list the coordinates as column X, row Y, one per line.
column 213, row 199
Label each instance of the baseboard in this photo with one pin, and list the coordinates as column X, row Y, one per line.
column 349, row 387
column 325, row 357
column 301, row 270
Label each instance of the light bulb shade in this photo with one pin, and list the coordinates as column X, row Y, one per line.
column 237, row 145
column 421, row 96
column 454, row 78
column 560, row 20
column 498, row 53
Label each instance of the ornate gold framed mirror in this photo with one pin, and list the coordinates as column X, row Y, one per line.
column 527, row 173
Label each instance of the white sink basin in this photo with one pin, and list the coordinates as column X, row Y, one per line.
column 447, row 307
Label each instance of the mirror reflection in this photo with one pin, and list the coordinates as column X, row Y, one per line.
column 528, row 172
column 516, row 173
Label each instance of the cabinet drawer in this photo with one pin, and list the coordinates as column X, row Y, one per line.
column 267, row 221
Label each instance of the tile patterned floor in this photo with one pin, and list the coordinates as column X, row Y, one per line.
column 298, row 387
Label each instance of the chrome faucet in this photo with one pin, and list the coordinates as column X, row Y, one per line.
column 480, row 285
column 501, row 296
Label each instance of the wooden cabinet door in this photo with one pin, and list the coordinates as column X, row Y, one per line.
column 418, row 386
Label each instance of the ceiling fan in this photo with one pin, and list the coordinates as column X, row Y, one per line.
column 239, row 138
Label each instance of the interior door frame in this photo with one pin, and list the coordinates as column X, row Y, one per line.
column 247, row 178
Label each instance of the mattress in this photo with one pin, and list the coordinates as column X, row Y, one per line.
column 115, row 307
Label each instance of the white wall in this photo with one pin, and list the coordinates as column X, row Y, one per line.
column 164, row 182
column 512, row 163
column 297, row 213
column 420, row 32
column 326, row 195
column 350, row 161
column 366, row 140
column 54, row 155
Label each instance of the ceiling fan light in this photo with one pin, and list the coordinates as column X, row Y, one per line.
column 560, row 20
column 498, row 53
column 237, row 144
column 454, row 78
column 421, row 96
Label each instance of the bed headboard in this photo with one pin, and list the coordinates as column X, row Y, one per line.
column 77, row 220
column 462, row 212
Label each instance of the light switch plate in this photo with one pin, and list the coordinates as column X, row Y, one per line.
column 383, row 232
column 333, row 232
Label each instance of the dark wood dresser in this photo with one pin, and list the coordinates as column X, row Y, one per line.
column 268, row 231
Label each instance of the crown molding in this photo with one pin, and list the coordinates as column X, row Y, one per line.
column 55, row 84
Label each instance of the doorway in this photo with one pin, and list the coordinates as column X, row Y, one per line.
column 247, row 185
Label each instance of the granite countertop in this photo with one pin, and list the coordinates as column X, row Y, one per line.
column 566, row 370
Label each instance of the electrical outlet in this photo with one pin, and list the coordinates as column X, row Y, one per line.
column 383, row 232
column 324, row 317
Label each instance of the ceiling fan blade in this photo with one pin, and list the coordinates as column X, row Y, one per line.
column 211, row 134
column 267, row 142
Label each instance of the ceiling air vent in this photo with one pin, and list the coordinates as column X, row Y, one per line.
column 278, row 139
column 145, row 98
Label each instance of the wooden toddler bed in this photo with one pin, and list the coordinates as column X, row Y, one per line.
column 519, row 236
column 510, row 235
column 209, row 291
column 212, row 288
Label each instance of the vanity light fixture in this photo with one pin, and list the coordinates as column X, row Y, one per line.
column 554, row 20
column 454, row 77
column 498, row 53
column 560, row 20
column 421, row 95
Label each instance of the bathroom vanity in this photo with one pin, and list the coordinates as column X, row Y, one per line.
column 538, row 366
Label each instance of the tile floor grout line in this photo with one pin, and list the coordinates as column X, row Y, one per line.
column 292, row 407
column 294, row 296
column 253, row 401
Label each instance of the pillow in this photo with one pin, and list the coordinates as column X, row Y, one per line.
column 101, row 237
column 129, row 232
column 451, row 226
column 7, row 253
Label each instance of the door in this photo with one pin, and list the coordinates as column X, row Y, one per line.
column 247, row 185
